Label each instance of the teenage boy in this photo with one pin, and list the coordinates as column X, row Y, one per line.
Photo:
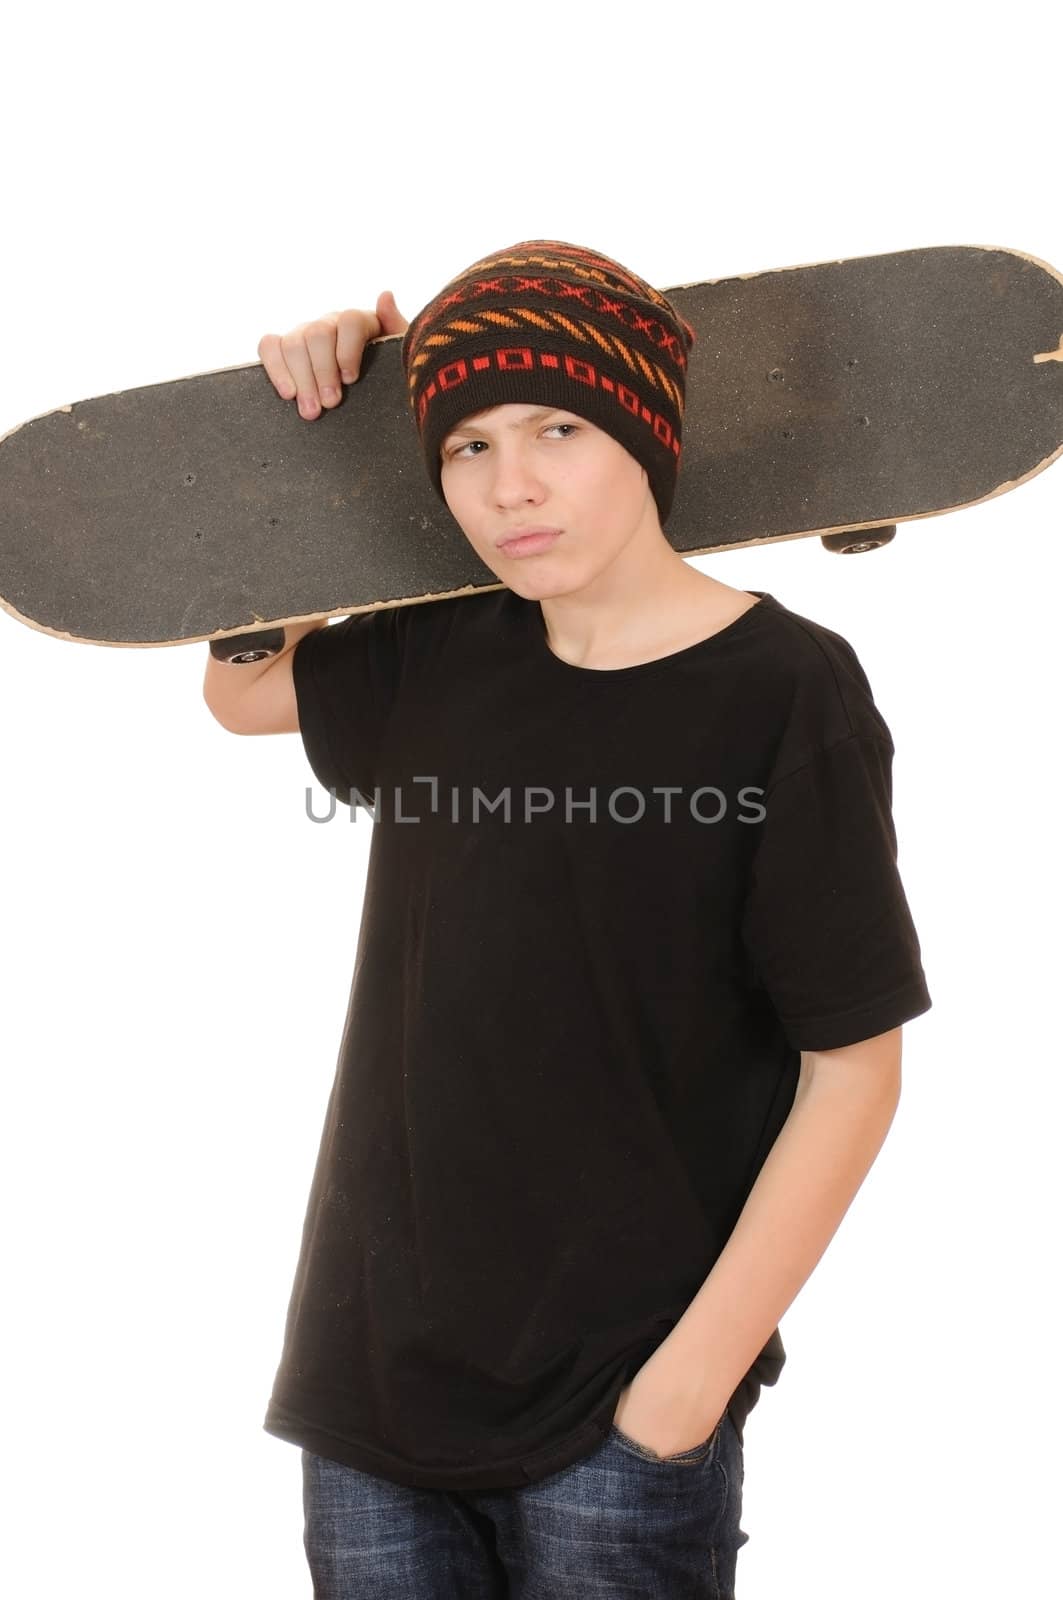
column 624, row 1032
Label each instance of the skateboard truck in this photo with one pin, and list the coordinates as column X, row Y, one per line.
column 241, row 648
column 858, row 540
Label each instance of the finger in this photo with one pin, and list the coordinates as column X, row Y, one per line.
column 320, row 337
column 272, row 358
column 390, row 317
column 297, row 356
column 353, row 330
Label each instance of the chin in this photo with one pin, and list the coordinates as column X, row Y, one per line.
column 544, row 586
column 522, row 577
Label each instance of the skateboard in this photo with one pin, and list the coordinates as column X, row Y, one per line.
column 835, row 399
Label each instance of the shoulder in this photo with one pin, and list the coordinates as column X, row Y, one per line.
column 810, row 650
column 815, row 685
column 403, row 624
column 438, row 631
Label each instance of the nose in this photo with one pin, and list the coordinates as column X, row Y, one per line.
column 515, row 479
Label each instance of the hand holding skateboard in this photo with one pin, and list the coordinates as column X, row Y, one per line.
column 315, row 358
column 309, row 364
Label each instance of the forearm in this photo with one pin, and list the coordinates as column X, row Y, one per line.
column 845, row 1103
column 227, row 683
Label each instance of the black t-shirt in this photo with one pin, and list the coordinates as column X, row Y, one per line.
column 605, row 911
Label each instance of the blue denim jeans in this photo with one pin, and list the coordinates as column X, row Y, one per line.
column 621, row 1522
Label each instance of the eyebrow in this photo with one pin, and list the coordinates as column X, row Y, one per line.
column 534, row 416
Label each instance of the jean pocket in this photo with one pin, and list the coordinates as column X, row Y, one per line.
column 692, row 1457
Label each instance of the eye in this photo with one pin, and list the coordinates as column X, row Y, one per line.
column 452, row 455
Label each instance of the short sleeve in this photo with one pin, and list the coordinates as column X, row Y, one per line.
column 826, row 924
column 346, row 677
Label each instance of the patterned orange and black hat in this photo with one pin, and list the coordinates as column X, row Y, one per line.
column 549, row 323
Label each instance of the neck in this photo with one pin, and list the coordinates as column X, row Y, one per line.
column 645, row 598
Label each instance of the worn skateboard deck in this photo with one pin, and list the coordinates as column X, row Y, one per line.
column 836, row 399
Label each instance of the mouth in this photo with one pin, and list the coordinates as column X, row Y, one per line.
column 529, row 541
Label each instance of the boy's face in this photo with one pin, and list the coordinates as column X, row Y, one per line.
column 515, row 467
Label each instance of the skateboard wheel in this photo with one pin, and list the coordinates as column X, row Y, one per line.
column 244, row 647
column 858, row 540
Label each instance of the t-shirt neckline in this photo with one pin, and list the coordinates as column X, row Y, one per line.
column 642, row 668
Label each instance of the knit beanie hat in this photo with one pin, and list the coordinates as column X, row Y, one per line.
column 549, row 323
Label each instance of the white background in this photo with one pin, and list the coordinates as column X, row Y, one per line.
column 177, row 937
